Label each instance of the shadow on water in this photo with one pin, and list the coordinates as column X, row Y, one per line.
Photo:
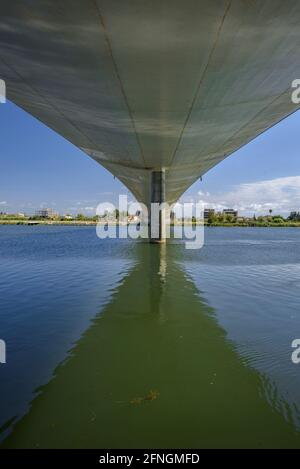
column 154, row 370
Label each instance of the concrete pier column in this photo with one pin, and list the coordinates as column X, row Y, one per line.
column 157, row 212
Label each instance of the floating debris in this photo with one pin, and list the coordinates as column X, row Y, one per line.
column 137, row 400
column 151, row 396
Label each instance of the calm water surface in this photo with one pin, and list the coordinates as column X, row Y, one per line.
column 118, row 343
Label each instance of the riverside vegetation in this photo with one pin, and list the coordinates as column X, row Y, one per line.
column 214, row 219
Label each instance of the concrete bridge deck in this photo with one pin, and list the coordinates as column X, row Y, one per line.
column 145, row 86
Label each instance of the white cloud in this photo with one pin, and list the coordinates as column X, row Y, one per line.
column 204, row 194
column 3, row 202
column 282, row 195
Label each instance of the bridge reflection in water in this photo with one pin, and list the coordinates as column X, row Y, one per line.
column 154, row 370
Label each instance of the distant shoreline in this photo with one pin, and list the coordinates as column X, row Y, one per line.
column 48, row 222
column 94, row 223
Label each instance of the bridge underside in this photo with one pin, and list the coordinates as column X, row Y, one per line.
column 145, row 86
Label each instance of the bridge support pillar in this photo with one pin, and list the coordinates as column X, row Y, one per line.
column 157, row 212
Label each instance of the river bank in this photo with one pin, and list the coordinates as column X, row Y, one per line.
column 94, row 223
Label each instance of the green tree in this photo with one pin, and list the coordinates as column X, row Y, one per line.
column 230, row 219
column 211, row 218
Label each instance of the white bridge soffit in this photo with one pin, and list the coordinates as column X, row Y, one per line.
column 142, row 85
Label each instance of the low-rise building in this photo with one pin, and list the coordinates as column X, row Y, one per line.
column 133, row 218
column 231, row 211
column 208, row 212
column 46, row 213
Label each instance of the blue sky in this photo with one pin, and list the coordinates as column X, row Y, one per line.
column 41, row 169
